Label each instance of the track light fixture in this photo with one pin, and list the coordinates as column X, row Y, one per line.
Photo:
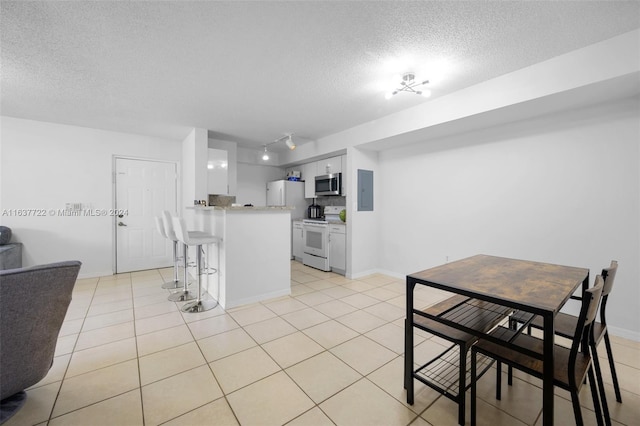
column 288, row 141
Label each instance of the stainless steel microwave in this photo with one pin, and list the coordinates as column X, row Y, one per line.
column 329, row 184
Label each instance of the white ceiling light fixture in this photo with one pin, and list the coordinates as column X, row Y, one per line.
column 288, row 141
column 409, row 84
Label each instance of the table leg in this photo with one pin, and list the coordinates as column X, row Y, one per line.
column 585, row 338
column 408, row 342
column 547, row 370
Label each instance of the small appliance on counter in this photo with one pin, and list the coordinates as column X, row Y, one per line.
column 314, row 211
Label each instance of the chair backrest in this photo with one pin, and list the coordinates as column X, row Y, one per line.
column 590, row 301
column 609, row 275
column 167, row 219
column 180, row 228
column 33, row 304
column 160, row 226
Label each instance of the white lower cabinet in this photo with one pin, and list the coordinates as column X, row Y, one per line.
column 297, row 245
column 338, row 248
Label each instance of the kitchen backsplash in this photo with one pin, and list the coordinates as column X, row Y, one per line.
column 331, row 201
column 221, row 200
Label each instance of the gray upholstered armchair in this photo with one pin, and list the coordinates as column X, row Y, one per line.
column 33, row 304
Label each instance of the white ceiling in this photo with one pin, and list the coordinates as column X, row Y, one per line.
column 251, row 72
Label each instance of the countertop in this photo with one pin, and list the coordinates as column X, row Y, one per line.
column 241, row 208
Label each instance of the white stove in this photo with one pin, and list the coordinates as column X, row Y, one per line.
column 316, row 238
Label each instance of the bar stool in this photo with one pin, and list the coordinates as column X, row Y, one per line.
column 183, row 295
column 175, row 283
column 198, row 240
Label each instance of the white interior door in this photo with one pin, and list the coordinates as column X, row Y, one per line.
column 144, row 188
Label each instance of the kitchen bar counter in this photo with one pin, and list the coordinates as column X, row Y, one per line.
column 241, row 208
column 255, row 252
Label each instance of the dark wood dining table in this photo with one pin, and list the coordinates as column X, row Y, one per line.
column 532, row 287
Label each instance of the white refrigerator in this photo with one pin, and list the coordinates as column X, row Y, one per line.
column 287, row 193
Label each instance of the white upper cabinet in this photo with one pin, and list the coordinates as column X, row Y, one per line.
column 218, row 172
column 329, row 166
column 222, row 167
column 309, row 176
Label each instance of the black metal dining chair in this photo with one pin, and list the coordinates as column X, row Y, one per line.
column 565, row 325
column 571, row 367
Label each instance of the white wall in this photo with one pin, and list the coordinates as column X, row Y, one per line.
column 562, row 189
column 194, row 168
column 252, row 182
column 363, row 230
column 45, row 165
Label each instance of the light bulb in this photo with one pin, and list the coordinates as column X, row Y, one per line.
column 265, row 156
column 426, row 93
column 290, row 144
column 388, row 95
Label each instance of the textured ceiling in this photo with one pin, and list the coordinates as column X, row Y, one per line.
column 252, row 71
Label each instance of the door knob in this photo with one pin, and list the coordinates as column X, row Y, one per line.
column 122, row 224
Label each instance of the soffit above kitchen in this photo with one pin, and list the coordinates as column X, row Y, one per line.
column 251, row 72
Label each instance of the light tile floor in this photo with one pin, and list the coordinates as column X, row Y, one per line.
column 331, row 353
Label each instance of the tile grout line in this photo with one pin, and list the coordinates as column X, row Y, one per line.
column 386, row 322
column 207, row 363
column 135, row 335
column 64, row 375
column 73, row 351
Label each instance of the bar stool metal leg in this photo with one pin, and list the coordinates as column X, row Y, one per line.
column 176, row 283
column 183, row 295
column 199, row 305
